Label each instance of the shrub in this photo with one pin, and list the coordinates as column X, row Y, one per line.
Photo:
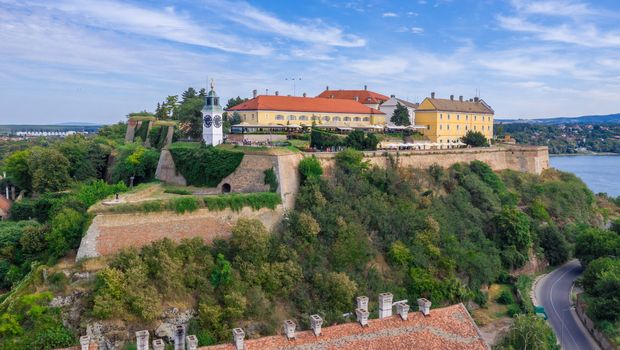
column 310, row 167
column 177, row 191
column 323, row 140
column 134, row 160
column 184, row 204
column 475, row 139
column 513, row 310
column 202, row 165
column 271, row 179
column 506, row 298
column 237, row 201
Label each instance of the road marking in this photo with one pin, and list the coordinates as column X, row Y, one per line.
column 554, row 308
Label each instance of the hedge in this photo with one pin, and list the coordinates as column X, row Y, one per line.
column 236, row 202
column 204, row 165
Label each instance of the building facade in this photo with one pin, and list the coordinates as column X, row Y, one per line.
column 271, row 110
column 365, row 97
column 448, row 120
column 389, row 106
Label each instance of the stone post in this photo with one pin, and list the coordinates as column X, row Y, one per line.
column 192, row 342
column 85, row 342
column 142, row 340
column 179, row 338
column 158, row 344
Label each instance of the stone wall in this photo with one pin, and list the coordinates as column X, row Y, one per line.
column 600, row 338
column 250, row 174
column 167, row 171
column 110, row 233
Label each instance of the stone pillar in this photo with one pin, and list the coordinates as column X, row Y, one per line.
column 85, row 342
column 192, row 342
column 142, row 340
column 179, row 338
column 158, row 344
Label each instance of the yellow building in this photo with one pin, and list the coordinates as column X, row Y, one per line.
column 447, row 120
column 272, row 110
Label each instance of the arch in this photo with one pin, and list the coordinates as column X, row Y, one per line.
column 366, row 119
column 303, row 117
column 279, row 117
column 336, row 119
column 326, row 118
column 356, row 119
column 347, row 119
column 292, row 117
column 226, row 188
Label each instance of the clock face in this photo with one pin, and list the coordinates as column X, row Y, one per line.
column 208, row 121
column 217, row 121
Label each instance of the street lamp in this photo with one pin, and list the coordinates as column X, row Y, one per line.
column 293, row 80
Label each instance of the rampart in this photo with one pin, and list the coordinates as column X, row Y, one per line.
column 109, row 233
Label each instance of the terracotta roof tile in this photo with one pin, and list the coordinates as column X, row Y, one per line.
column 444, row 104
column 363, row 96
column 304, row 104
column 445, row 328
column 5, row 204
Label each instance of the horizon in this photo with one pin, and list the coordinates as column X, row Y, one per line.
column 98, row 62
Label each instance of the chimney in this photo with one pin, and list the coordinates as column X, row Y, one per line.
column 85, row 342
column 362, row 317
column 365, row 87
column 254, row 93
column 192, row 342
column 356, row 98
column 476, row 99
column 304, row 94
column 266, row 91
column 277, row 93
column 392, row 96
column 158, row 344
column 402, row 309
column 424, row 306
column 142, row 340
column 451, row 97
column 461, row 98
column 327, row 88
column 238, row 337
column 315, row 322
column 289, row 329
column 471, row 100
column 179, row 338
column 362, row 303
column 385, row 305
column 433, row 94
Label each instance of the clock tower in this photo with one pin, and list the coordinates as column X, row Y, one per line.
column 212, row 119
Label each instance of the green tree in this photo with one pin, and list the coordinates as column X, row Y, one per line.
column 512, row 227
column 188, row 94
column 310, row 167
column 49, row 169
column 401, row 115
column 475, row 139
column 66, row 231
column 554, row 244
column 529, row 332
column 249, row 241
column 351, row 161
column 18, row 170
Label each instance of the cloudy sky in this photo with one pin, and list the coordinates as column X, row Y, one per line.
column 96, row 61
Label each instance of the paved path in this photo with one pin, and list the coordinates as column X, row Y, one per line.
column 553, row 292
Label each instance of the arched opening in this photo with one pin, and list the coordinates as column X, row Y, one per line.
column 226, row 188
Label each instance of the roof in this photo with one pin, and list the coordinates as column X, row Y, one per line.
column 449, row 105
column 304, row 104
column 447, row 328
column 364, row 96
column 394, row 100
column 5, row 204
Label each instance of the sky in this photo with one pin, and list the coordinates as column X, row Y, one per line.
column 97, row 61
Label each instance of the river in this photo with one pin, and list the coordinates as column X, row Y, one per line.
column 600, row 172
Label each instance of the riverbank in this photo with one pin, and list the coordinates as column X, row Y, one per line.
column 599, row 172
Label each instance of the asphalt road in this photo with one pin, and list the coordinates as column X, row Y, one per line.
column 553, row 293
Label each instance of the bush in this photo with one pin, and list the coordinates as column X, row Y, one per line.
column 310, row 167
column 271, row 179
column 179, row 191
column 184, row 204
column 202, row 165
column 506, row 298
column 237, row 201
column 134, row 160
column 323, row 140
column 475, row 139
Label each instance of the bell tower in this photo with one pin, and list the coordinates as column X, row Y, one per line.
column 212, row 133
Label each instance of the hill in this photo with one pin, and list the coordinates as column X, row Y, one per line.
column 586, row 119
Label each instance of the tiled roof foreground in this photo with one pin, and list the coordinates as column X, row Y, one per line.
column 445, row 328
column 304, row 104
column 363, row 96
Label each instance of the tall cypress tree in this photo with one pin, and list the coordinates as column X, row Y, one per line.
column 401, row 115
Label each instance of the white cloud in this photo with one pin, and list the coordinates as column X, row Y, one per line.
column 413, row 30
column 389, row 14
column 303, row 30
column 553, row 7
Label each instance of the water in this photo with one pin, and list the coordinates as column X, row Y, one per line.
column 600, row 173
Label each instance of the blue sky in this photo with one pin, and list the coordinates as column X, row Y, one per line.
column 96, row 61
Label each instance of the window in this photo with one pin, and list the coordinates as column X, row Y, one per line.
column 440, row 126
column 347, row 119
column 303, row 117
column 279, row 117
column 292, row 117
column 326, row 118
column 314, row 117
column 466, row 117
column 356, row 119
column 366, row 119
column 428, row 127
column 466, row 127
column 474, row 127
column 336, row 119
column 475, row 117
column 458, row 127
column 458, row 117
column 448, row 126
column 440, row 116
column 448, row 116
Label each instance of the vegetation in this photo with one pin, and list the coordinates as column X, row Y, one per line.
column 134, row 160
column 271, row 179
column 475, row 139
column 310, row 168
column 562, row 139
column 401, row 115
column 529, row 332
column 357, row 139
column 204, row 166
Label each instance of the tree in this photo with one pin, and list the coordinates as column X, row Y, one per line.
column 188, row 94
column 17, row 169
column 554, row 244
column 361, row 141
column 66, row 232
column 529, row 332
column 250, row 241
column 49, row 169
column 351, row 161
column 401, row 115
column 310, row 167
column 189, row 114
column 232, row 102
column 475, row 139
column 593, row 243
column 512, row 227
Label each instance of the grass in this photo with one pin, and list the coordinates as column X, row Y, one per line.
column 524, row 285
column 495, row 310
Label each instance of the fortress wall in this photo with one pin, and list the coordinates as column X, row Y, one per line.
column 250, row 174
column 110, row 233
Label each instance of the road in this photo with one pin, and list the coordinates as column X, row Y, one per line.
column 553, row 293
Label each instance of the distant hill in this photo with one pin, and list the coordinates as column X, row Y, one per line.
column 586, row 119
column 77, row 124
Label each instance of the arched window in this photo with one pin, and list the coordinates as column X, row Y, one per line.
column 474, row 127
column 279, row 117
column 440, row 116
column 314, row 117
column 336, row 119
column 292, row 117
column 303, row 117
column 326, row 118
column 466, row 117
column 475, row 117
column 366, row 119
column 448, row 126
column 440, row 126
column 347, row 119
column 458, row 127
column 356, row 119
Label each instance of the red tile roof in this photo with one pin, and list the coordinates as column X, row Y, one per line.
column 363, row 96
column 304, row 104
column 445, row 328
column 5, row 204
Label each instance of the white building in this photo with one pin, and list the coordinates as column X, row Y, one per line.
column 389, row 106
